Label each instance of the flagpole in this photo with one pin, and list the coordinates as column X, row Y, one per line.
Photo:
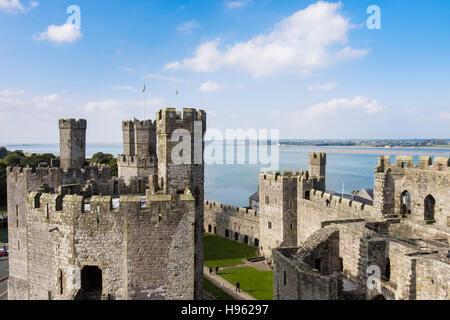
column 144, row 91
column 178, row 103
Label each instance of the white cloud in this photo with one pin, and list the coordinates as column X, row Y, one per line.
column 323, row 87
column 350, row 53
column 15, row 6
column 124, row 88
column 187, row 27
column 66, row 33
column 236, row 4
column 210, row 86
column 42, row 102
column 445, row 115
column 300, row 43
column 11, row 93
column 108, row 105
column 369, row 106
column 161, row 77
column 275, row 113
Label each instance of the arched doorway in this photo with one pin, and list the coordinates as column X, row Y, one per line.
column 227, row 233
column 379, row 297
column 91, row 283
column 236, row 236
column 209, row 228
column 429, row 208
column 405, row 205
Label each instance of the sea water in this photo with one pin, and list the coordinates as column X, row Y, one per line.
column 348, row 168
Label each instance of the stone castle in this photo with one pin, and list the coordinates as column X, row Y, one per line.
column 77, row 233
column 327, row 247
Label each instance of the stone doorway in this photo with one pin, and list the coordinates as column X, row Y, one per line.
column 91, row 283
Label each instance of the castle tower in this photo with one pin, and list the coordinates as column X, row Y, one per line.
column 128, row 138
column 72, row 135
column 278, row 211
column 145, row 138
column 139, row 153
column 180, row 149
column 317, row 169
column 181, row 137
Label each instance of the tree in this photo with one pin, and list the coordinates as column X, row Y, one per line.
column 13, row 159
column 102, row 158
column 3, row 152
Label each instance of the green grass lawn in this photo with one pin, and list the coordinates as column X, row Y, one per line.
column 258, row 284
column 220, row 252
column 215, row 291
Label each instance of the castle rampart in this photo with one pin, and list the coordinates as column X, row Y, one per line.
column 234, row 223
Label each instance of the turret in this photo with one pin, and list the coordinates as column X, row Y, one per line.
column 317, row 169
column 72, row 143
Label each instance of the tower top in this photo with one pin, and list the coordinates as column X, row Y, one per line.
column 72, row 124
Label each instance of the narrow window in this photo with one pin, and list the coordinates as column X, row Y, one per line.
column 267, row 200
column 284, row 278
column 60, row 282
column 17, row 215
column 269, row 224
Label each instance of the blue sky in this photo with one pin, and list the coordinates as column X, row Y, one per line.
column 309, row 68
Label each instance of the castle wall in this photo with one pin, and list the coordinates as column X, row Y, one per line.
column 420, row 181
column 142, row 253
column 302, row 281
column 226, row 221
column 323, row 207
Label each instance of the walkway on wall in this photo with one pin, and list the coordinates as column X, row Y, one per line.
column 223, row 284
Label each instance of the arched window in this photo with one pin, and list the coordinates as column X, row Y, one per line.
column 116, row 188
column 429, row 208
column 405, row 205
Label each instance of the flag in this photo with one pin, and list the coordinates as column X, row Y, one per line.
column 143, row 90
column 177, row 92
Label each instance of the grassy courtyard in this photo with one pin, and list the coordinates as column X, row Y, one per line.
column 220, row 252
column 216, row 292
column 226, row 253
column 258, row 284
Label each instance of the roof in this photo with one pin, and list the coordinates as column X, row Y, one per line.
column 255, row 196
column 366, row 193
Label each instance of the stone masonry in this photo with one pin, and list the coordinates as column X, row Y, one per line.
column 77, row 233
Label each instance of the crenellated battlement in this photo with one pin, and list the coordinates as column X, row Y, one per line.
column 73, row 124
column 338, row 203
column 137, row 161
column 225, row 209
column 169, row 120
column 96, row 170
column 441, row 164
column 139, row 124
column 51, row 204
column 317, row 156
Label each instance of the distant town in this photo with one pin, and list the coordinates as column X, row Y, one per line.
column 407, row 143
